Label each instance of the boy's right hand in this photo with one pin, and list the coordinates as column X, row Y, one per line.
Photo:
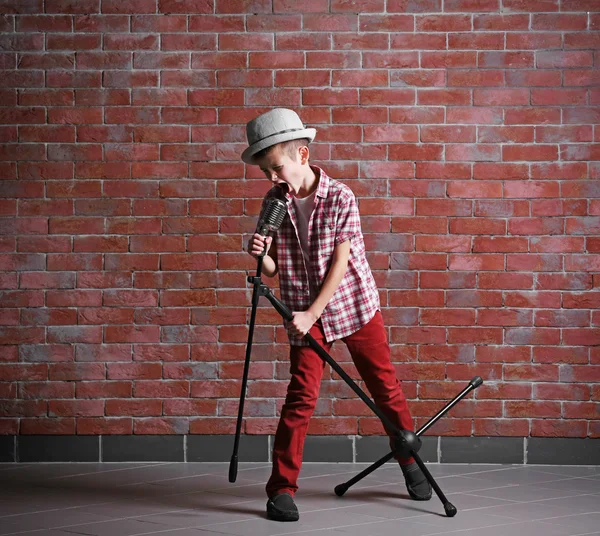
column 257, row 244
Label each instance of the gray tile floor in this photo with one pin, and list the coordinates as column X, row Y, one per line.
column 196, row 499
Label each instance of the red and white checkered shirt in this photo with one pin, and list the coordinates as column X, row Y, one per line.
column 334, row 220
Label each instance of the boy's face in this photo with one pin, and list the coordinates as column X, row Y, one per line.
column 283, row 170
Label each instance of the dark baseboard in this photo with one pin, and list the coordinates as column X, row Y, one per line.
column 334, row 449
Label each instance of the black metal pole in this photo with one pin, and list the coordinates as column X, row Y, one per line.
column 233, row 464
column 473, row 384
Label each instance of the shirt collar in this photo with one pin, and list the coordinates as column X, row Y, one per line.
column 323, row 188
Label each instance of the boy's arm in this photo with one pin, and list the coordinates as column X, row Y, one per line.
column 303, row 321
column 271, row 263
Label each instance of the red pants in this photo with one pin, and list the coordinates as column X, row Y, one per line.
column 370, row 352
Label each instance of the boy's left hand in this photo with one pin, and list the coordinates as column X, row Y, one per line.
column 302, row 322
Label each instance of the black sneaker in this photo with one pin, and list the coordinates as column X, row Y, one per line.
column 417, row 485
column 281, row 507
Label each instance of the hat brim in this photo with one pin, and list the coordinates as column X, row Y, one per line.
column 248, row 154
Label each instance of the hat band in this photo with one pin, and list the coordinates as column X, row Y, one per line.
column 280, row 132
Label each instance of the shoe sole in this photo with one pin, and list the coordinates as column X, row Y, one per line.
column 279, row 516
column 416, row 497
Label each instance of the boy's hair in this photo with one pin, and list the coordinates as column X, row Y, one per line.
column 288, row 147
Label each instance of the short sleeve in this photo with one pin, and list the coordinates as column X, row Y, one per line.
column 348, row 220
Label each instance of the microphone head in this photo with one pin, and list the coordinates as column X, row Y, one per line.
column 272, row 217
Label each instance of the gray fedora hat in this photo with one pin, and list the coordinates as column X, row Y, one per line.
column 270, row 128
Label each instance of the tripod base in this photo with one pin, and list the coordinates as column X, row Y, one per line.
column 407, row 442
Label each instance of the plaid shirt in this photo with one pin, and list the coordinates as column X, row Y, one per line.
column 334, row 220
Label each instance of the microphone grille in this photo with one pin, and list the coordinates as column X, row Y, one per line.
column 275, row 214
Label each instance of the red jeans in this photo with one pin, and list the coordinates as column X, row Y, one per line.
column 370, row 352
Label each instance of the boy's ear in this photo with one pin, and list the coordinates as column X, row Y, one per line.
column 303, row 152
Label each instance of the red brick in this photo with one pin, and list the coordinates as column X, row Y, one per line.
column 558, row 428
column 532, row 336
column 419, row 78
column 499, row 244
column 583, row 337
column 477, row 226
column 417, row 115
column 479, row 152
column 417, row 335
column 529, row 116
column 504, row 280
column 504, row 317
column 502, row 354
column 532, row 299
column 582, row 263
column 447, row 317
column 75, row 408
column 564, row 59
column 557, row 207
column 567, row 281
column 54, row 426
column 443, row 243
column 533, row 263
column 44, row 23
column 524, row 226
column 557, row 244
column 388, row 22
column 447, row 280
column 553, row 97
column 99, row 426
column 580, row 152
column 415, row 152
column 474, row 189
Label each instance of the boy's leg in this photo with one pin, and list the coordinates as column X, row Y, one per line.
column 371, row 354
column 306, row 368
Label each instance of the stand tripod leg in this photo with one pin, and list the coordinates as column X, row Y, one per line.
column 340, row 489
column 449, row 508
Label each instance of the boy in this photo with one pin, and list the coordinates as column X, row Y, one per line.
column 324, row 278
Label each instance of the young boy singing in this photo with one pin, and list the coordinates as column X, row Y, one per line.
column 325, row 279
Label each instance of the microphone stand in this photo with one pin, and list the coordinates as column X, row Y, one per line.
column 405, row 442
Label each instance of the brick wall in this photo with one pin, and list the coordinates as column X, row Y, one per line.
column 468, row 131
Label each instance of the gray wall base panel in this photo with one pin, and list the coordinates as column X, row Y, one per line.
column 58, row 448
column 328, row 449
column 563, row 451
column 369, row 449
column 360, row 449
column 482, row 450
column 219, row 448
column 143, row 448
column 8, row 449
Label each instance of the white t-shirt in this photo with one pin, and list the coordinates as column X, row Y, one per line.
column 304, row 209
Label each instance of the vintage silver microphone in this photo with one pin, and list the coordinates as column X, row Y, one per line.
column 271, row 218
